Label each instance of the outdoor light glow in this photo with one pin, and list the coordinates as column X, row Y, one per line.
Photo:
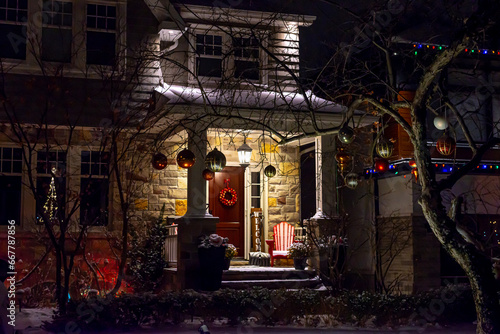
column 244, row 154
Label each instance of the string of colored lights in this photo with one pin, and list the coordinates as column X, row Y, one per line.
column 425, row 46
column 440, row 168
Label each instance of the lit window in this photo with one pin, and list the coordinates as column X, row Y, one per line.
column 13, row 18
column 101, row 34
column 209, row 55
column 10, row 184
column 246, row 58
column 56, row 32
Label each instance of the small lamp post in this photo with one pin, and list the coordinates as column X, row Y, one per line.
column 244, row 154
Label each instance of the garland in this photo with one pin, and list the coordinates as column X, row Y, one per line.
column 228, row 192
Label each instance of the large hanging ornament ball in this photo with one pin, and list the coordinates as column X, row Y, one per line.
column 159, row 161
column 384, row 148
column 351, row 180
column 446, row 145
column 208, row 174
column 186, row 159
column 270, row 171
column 346, row 134
column 412, row 163
column 343, row 159
column 440, row 123
column 215, row 160
column 381, row 165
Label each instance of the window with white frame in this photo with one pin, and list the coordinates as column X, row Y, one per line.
column 57, row 34
column 101, row 34
column 246, row 58
column 11, row 162
column 255, row 193
column 13, row 18
column 51, row 163
column 94, row 188
column 209, row 55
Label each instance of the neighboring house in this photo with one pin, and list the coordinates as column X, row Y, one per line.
column 212, row 77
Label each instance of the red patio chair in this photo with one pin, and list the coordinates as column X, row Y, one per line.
column 284, row 235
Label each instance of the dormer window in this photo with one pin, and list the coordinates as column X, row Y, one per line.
column 246, row 58
column 209, row 55
column 13, row 18
column 101, row 34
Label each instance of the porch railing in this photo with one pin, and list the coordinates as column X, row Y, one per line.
column 171, row 244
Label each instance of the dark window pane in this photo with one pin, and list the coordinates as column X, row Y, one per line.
column 101, row 10
column 111, row 11
column 209, row 67
column 3, row 3
column 67, row 20
column 217, row 51
column 85, row 155
column 100, row 48
column 91, row 9
column 255, row 177
column 111, row 24
column 91, row 22
column 101, row 23
column 17, row 153
column 12, row 15
column 7, row 153
column 17, row 167
column 12, row 41
column 94, row 202
column 209, row 39
column 56, row 45
column 3, row 15
column 104, row 157
column 58, row 7
column 12, row 3
column 57, row 20
column 68, row 7
column 10, row 199
column 199, row 39
column 255, row 202
column 6, row 166
column 246, row 70
column 85, row 169
column 218, row 40
column 41, row 167
column 255, row 190
column 95, row 169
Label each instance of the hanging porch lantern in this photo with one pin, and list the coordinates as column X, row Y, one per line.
column 384, row 148
column 440, row 122
column 244, row 155
column 159, row 161
column 343, row 159
column 446, row 145
column 186, row 159
column 351, row 180
column 208, row 174
column 270, row 171
column 346, row 134
column 215, row 160
column 381, row 165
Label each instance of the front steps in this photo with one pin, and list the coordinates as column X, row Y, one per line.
column 244, row 277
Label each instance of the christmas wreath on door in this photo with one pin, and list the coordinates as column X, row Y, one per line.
column 228, row 195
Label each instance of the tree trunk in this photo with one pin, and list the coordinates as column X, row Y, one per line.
column 58, row 279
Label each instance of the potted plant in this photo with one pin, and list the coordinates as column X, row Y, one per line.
column 231, row 252
column 298, row 252
column 211, row 252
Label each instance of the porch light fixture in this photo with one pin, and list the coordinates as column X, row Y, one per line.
column 244, row 154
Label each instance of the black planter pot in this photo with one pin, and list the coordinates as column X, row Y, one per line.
column 227, row 263
column 211, row 267
column 300, row 263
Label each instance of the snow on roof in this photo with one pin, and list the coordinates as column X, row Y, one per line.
column 248, row 99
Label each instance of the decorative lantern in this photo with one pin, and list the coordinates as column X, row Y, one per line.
column 446, row 145
column 346, row 134
column 412, row 163
column 186, row 159
column 208, row 174
column 159, row 161
column 215, row 160
column 270, row 171
column 381, row 165
column 343, row 159
column 351, row 180
column 440, row 122
column 244, row 155
column 384, row 148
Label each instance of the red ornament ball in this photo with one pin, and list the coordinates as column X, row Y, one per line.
column 186, row 159
column 412, row 163
column 159, row 161
column 381, row 165
column 208, row 174
column 446, row 145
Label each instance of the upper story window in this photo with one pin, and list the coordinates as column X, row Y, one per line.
column 101, row 34
column 13, row 18
column 246, row 58
column 10, row 184
column 209, row 55
column 57, row 34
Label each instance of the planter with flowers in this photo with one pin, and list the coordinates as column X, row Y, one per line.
column 211, row 252
column 299, row 252
column 231, row 252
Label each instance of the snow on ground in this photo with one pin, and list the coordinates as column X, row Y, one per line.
column 29, row 320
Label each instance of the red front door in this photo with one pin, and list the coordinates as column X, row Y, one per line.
column 231, row 218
